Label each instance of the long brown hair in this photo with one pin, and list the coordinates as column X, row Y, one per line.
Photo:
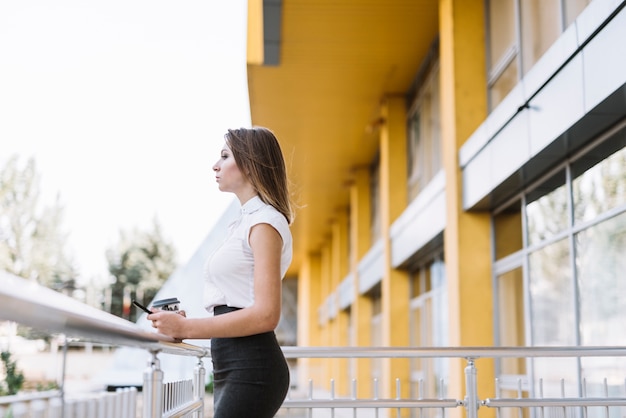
column 260, row 159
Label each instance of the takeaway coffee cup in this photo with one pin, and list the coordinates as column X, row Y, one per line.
column 170, row 304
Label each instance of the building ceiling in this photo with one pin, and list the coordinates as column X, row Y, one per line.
column 337, row 59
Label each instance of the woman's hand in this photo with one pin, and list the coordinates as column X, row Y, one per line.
column 169, row 323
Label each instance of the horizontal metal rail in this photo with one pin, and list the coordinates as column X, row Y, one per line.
column 36, row 306
column 453, row 352
column 553, row 402
column 30, row 397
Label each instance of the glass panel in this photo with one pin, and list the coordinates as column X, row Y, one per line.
column 599, row 188
column 429, row 329
column 503, row 85
column 551, row 296
column 573, row 8
column 508, row 230
column 511, row 323
column 511, row 309
column 415, row 156
column 440, row 304
column 501, row 29
column 596, row 369
column 541, row 26
column 547, row 209
column 375, row 201
column 424, row 149
column 601, row 264
column 376, row 336
column 552, row 315
column 553, row 372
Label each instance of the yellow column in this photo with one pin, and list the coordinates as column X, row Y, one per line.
column 309, row 331
column 395, row 283
column 340, row 259
column 328, row 324
column 255, row 51
column 467, row 235
column 360, row 239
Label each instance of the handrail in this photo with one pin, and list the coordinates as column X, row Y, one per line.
column 31, row 304
column 453, row 352
column 7, row 400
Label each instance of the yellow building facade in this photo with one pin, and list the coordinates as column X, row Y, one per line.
column 460, row 175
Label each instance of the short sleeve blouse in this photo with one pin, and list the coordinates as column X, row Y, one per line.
column 229, row 272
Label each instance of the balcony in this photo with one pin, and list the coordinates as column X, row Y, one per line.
column 160, row 395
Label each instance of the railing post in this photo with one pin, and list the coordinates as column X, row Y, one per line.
column 471, row 389
column 153, row 389
column 199, row 374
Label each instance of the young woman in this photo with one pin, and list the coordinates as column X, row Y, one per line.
column 243, row 281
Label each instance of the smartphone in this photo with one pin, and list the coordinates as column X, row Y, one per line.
column 140, row 306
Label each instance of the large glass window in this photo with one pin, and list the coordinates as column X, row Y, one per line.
column 547, row 209
column 375, row 201
column 429, row 328
column 551, row 296
column 376, row 336
column 601, row 263
column 519, row 33
column 424, row 136
column 599, row 188
column 541, row 25
column 558, row 269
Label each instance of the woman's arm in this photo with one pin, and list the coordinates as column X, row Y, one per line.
column 262, row 316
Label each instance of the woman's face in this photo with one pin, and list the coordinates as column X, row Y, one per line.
column 227, row 173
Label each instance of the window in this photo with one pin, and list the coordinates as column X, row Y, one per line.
column 376, row 337
column 428, row 323
column 519, row 33
column 558, row 262
column 424, row 136
column 375, row 201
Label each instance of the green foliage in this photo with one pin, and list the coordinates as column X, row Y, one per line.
column 141, row 262
column 45, row 386
column 208, row 388
column 14, row 379
column 32, row 244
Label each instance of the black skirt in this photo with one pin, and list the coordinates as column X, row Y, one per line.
column 250, row 375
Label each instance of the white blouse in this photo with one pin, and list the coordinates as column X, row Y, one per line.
column 229, row 272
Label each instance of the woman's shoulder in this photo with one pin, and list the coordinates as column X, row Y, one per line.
column 268, row 213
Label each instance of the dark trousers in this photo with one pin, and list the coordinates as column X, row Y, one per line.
column 250, row 375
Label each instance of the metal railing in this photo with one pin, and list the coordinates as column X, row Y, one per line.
column 41, row 308
column 526, row 403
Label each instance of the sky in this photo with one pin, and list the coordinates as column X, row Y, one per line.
column 123, row 104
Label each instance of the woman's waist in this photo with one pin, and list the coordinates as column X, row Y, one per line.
column 223, row 309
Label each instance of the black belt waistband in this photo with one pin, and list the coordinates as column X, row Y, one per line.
column 222, row 309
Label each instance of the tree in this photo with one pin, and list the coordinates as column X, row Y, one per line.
column 14, row 378
column 32, row 243
column 140, row 263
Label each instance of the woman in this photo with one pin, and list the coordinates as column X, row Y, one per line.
column 243, row 281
